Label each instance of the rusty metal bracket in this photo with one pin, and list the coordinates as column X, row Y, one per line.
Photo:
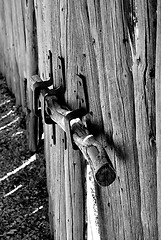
column 81, row 93
column 37, row 85
column 47, row 93
column 40, row 90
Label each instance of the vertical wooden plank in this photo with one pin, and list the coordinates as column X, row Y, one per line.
column 15, row 49
column 3, row 35
column 40, row 37
column 144, row 93
column 60, row 206
column 121, row 134
column 73, row 169
column 158, row 115
column 65, row 180
column 31, row 68
column 74, row 196
column 44, row 12
column 120, row 87
column 106, row 105
column 21, row 53
column 45, row 15
column 56, row 183
column 80, row 58
column 9, row 45
column 4, row 40
column 50, row 173
column 67, row 220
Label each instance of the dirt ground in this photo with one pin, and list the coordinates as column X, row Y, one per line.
column 23, row 192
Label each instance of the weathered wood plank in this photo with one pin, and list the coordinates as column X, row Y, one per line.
column 31, row 68
column 158, row 116
column 9, row 46
column 144, row 92
column 16, row 74
column 40, row 37
column 71, row 219
column 112, row 44
column 72, row 54
column 119, row 132
column 123, row 125
column 21, row 49
column 114, row 223
column 3, row 37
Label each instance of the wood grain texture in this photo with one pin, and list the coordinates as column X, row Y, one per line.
column 144, row 92
column 118, row 118
column 31, row 68
column 158, row 116
column 113, row 45
column 21, row 45
column 15, row 30
column 9, row 48
column 3, row 39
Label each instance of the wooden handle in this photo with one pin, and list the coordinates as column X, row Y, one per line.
column 97, row 157
column 92, row 150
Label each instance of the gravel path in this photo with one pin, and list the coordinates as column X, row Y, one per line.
column 23, row 193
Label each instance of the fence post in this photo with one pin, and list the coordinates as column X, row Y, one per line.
column 31, row 68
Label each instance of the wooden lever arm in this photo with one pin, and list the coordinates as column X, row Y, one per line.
column 92, row 150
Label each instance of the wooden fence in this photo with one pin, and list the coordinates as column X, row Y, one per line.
column 115, row 46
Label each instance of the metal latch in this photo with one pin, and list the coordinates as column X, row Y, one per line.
column 55, row 111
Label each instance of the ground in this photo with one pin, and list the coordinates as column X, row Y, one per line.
column 23, row 191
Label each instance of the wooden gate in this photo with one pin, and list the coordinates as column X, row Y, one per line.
column 115, row 46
